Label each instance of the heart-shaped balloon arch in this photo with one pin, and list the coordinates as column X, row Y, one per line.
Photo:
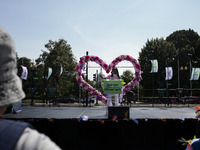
column 81, row 65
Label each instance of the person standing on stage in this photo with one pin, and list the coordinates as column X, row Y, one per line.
column 112, row 99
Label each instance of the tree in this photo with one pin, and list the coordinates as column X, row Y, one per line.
column 187, row 43
column 163, row 51
column 24, row 61
column 185, row 39
column 127, row 76
column 59, row 52
column 197, row 49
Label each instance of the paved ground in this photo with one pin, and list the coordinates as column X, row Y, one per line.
column 99, row 112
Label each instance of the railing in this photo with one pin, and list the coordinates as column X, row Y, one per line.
column 135, row 101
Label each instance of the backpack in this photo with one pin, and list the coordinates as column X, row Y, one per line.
column 10, row 132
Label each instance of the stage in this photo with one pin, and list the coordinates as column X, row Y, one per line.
column 99, row 112
column 148, row 132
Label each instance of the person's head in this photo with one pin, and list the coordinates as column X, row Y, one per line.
column 115, row 71
column 10, row 84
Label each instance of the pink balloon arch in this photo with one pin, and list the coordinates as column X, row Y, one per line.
column 81, row 65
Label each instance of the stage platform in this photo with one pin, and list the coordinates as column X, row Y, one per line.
column 100, row 132
column 99, row 112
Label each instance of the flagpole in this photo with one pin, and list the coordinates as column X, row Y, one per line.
column 167, row 86
column 178, row 74
column 21, row 78
column 190, row 75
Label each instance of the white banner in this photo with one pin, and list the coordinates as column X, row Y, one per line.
column 169, row 73
column 195, row 74
column 24, row 73
column 49, row 73
column 154, row 66
column 61, row 69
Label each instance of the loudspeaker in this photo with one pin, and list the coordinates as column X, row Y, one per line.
column 119, row 111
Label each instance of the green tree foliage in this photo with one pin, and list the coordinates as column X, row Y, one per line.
column 163, row 51
column 24, row 61
column 59, row 52
column 197, row 49
column 187, row 43
column 127, row 76
column 182, row 45
column 183, row 38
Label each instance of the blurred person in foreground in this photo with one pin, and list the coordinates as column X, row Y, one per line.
column 15, row 135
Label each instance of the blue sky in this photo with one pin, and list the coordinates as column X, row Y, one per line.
column 103, row 28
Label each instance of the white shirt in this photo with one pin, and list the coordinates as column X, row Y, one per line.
column 33, row 140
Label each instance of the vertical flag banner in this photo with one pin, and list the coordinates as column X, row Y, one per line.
column 169, row 73
column 61, row 69
column 195, row 74
column 49, row 73
column 24, row 73
column 154, row 66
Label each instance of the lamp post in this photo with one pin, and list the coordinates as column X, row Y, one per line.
column 44, row 90
column 56, row 81
column 33, row 70
column 184, row 69
column 190, row 61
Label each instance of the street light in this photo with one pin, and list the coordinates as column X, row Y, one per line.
column 185, row 70
column 44, row 89
column 33, row 70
